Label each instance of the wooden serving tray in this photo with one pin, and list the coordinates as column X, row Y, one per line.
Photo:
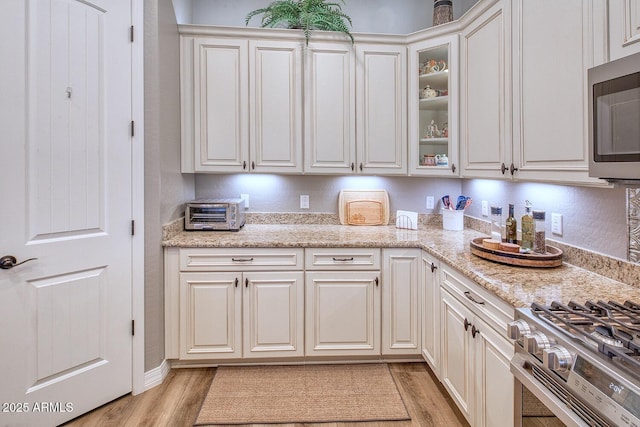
column 553, row 257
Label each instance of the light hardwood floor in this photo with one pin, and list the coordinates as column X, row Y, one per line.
column 177, row 400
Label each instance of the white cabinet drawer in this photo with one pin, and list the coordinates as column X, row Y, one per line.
column 496, row 312
column 240, row 259
column 342, row 259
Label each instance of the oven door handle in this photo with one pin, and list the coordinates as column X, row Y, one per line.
column 525, row 377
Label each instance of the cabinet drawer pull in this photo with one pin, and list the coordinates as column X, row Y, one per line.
column 242, row 259
column 343, row 259
column 466, row 324
column 471, row 298
column 433, row 267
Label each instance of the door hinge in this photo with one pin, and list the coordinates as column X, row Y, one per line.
column 133, row 227
column 131, row 33
column 133, row 128
column 133, row 327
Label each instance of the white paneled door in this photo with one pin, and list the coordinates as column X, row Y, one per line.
column 66, row 180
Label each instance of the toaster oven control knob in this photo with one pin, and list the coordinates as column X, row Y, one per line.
column 557, row 358
column 517, row 329
column 536, row 342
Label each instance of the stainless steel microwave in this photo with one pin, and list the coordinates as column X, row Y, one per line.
column 614, row 120
column 214, row 214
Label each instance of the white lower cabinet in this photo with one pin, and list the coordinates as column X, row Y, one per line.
column 475, row 356
column 430, row 284
column 235, row 314
column 401, row 326
column 342, row 313
column 342, row 309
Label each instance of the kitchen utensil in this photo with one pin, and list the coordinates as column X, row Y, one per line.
column 446, row 203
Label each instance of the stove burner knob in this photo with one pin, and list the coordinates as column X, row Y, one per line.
column 517, row 329
column 536, row 342
column 557, row 358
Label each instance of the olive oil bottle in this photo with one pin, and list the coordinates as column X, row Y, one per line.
column 526, row 223
column 511, row 226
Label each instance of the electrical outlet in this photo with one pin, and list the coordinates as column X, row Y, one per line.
column 245, row 197
column 485, row 208
column 430, row 202
column 304, row 201
column 556, row 224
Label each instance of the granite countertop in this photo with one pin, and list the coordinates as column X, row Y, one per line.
column 519, row 286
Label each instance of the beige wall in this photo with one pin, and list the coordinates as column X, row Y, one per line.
column 165, row 187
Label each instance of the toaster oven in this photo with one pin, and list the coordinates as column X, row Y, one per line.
column 214, row 214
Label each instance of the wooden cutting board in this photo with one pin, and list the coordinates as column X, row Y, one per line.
column 363, row 207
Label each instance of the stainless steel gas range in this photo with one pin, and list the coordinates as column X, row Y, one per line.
column 582, row 361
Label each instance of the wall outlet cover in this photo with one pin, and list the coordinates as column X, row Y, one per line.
column 485, row 208
column 245, row 197
column 556, row 224
column 304, row 201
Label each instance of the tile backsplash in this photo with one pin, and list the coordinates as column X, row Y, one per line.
column 633, row 221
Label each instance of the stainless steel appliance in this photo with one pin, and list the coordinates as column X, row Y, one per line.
column 582, row 361
column 214, row 214
column 614, row 120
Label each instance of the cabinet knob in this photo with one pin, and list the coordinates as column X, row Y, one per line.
column 353, row 166
column 360, row 167
column 512, row 169
column 253, row 165
column 466, row 324
column 453, row 168
column 474, row 331
column 377, row 281
column 244, row 165
column 433, row 267
column 246, row 283
column 503, row 168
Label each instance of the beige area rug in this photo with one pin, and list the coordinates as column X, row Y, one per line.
column 302, row 394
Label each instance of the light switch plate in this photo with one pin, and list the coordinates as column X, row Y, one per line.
column 485, row 208
column 430, row 202
column 556, row 224
column 304, row 201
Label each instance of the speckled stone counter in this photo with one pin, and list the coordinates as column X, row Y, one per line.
column 519, row 286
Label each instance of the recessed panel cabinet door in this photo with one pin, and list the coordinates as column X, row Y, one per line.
column 273, row 314
column 275, row 132
column 457, row 363
column 401, row 301
column 485, row 126
column 342, row 313
column 210, row 315
column 329, row 105
column 381, row 106
column 219, row 103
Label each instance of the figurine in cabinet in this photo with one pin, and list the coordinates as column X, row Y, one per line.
column 428, row 92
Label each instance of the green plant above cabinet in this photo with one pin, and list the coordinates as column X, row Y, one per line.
column 306, row 15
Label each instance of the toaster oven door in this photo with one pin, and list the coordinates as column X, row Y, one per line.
column 213, row 216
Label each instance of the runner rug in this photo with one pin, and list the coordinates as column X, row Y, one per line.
column 302, row 394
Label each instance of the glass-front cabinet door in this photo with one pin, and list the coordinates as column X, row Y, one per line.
column 433, row 107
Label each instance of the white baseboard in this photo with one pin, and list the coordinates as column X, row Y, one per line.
column 157, row 375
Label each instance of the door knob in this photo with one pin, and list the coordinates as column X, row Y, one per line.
column 9, row 261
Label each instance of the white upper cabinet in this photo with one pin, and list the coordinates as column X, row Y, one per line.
column 275, row 102
column 524, row 99
column 329, row 108
column 214, row 90
column 553, row 46
column 433, row 107
column 624, row 28
column 381, row 108
column 485, row 88
column 241, row 105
